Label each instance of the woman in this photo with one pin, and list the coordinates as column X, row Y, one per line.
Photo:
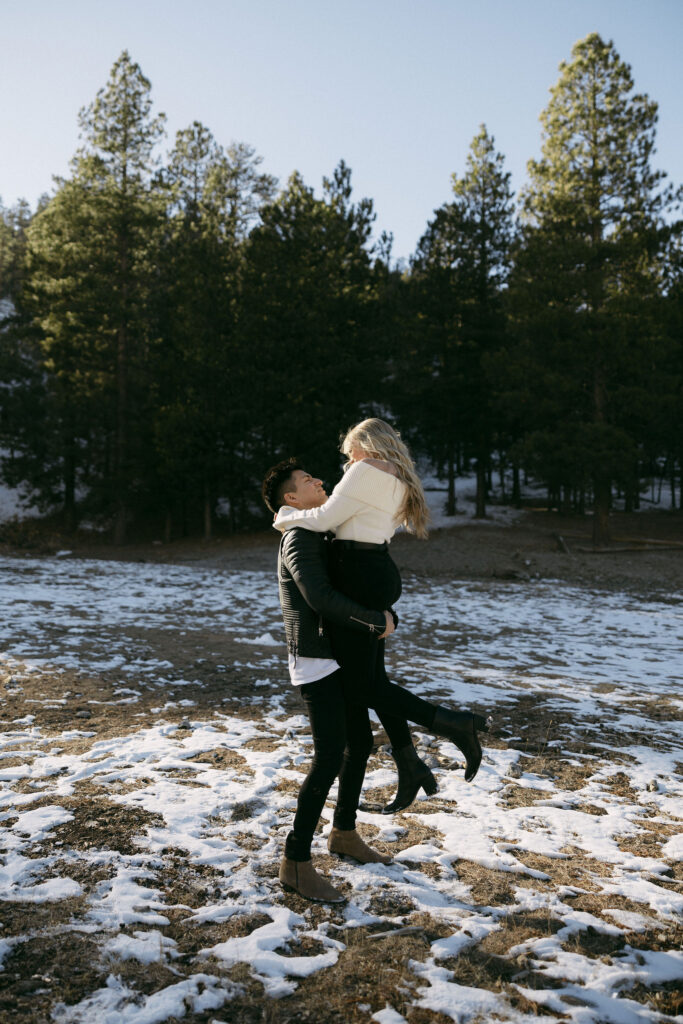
column 379, row 491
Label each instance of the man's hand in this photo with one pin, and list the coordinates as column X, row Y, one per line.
column 389, row 620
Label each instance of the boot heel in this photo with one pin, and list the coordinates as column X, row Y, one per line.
column 413, row 775
column 430, row 787
column 460, row 727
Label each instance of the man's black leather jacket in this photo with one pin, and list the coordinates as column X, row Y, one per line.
column 308, row 598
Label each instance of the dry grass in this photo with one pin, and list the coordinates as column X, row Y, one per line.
column 103, row 824
column 488, row 888
column 666, row 998
column 188, row 884
column 522, row 796
column 223, row 758
column 368, row 972
column 264, row 744
column 46, row 969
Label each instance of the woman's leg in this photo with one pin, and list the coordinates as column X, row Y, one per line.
column 458, row 726
column 366, row 681
column 372, row 578
column 361, row 657
column 396, row 729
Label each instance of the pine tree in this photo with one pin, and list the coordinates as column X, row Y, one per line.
column 593, row 232
column 91, row 265
column 307, row 321
column 458, row 274
column 202, row 373
column 117, row 163
column 68, row 305
column 13, row 224
column 22, row 394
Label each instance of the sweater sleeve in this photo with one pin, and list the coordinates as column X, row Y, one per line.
column 345, row 501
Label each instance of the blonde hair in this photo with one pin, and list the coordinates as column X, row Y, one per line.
column 379, row 440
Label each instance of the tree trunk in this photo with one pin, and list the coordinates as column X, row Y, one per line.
column 516, row 489
column 168, row 526
column 581, row 504
column 208, row 524
column 602, row 482
column 673, row 483
column 481, row 489
column 566, row 503
column 184, row 526
column 120, row 449
column 450, row 500
column 601, row 532
column 70, row 520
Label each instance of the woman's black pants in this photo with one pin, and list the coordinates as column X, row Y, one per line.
column 370, row 576
column 342, row 742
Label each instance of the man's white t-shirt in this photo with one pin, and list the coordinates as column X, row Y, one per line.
column 308, row 670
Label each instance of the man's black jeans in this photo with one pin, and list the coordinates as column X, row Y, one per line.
column 342, row 741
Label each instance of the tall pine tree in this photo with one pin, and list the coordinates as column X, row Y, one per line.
column 202, row 372
column 594, row 229
column 120, row 134
column 92, row 263
column 307, row 321
column 458, row 274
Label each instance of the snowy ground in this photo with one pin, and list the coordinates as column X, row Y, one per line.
column 151, row 751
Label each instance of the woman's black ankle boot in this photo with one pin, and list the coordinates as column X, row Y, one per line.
column 413, row 775
column 461, row 728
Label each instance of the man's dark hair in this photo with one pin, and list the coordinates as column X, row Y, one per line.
column 276, row 483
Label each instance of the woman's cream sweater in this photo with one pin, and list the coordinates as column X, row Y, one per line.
column 363, row 506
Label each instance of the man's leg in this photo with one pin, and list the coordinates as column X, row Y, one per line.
column 356, row 754
column 326, row 712
column 343, row 838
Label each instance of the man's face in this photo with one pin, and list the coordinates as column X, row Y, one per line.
column 305, row 491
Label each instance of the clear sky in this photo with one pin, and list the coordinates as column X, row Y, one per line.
column 397, row 88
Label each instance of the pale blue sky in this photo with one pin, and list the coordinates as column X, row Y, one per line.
column 397, row 88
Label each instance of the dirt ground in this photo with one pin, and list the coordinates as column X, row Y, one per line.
column 646, row 554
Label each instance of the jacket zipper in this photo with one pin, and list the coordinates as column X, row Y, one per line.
column 371, row 627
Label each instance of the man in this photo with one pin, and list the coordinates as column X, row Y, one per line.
column 342, row 735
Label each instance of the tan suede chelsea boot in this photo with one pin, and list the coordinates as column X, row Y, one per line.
column 300, row 876
column 350, row 844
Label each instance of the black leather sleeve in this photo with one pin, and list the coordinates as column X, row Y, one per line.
column 303, row 555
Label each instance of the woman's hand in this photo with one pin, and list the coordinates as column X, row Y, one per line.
column 389, row 620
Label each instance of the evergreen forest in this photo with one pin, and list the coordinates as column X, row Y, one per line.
column 172, row 325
